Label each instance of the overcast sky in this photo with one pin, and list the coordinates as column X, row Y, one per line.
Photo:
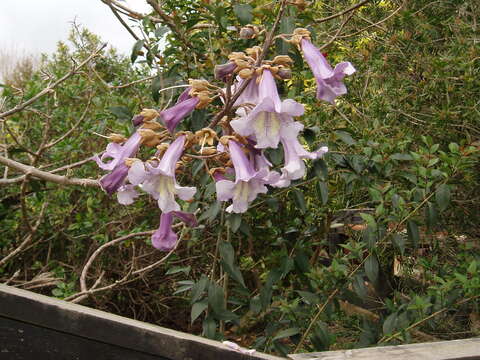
column 35, row 26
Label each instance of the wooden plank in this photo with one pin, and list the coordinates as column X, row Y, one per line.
column 22, row 341
column 81, row 321
column 468, row 349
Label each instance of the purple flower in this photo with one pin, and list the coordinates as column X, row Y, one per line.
column 127, row 194
column 265, row 122
column 159, row 181
column 118, row 170
column 294, row 153
column 165, row 238
column 249, row 181
column 173, row 115
column 222, row 71
column 118, row 153
column 249, row 95
column 329, row 81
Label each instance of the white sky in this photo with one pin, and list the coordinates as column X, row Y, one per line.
column 35, row 26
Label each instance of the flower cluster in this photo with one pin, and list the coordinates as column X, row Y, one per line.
column 258, row 120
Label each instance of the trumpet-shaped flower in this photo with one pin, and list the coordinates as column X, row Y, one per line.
column 294, row 153
column 165, row 238
column 159, row 181
column 265, row 122
column 249, row 181
column 118, row 170
column 329, row 81
column 172, row 116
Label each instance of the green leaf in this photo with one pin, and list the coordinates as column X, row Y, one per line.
column 227, row 255
column 299, row 199
column 160, row 31
column 216, row 297
column 359, row 287
column 309, row 298
column 413, row 232
column 234, row 220
column 442, row 197
column 321, row 338
column 323, row 190
column 390, row 324
column 209, row 327
column 399, row 241
column 243, row 13
column 369, row 219
column 286, row 333
column 197, row 309
column 177, row 269
column 156, row 86
column 431, row 215
column 345, row 137
column 401, row 157
column 372, row 268
column 321, row 169
column 199, row 288
column 121, row 112
column 136, row 49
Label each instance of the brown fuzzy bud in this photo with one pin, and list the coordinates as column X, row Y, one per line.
column 249, row 32
column 117, row 138
column 153, row 125
column 284, row 60
column 198, row 86
column 254, row 52
column 129, row 161
column 298, row 35
column 189, row 137
column 149, row 137
column 149, row 114
column 205, row 99
column 300, row 4
column 246, row 73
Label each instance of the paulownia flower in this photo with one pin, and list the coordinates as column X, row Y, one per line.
column 329, row 81
column 264, row 123
column 159, row 181
column 294, row 153
column 172, row 116
column 165, row 238
column 118, row 170
column 249, row 182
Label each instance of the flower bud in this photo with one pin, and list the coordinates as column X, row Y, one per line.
column 284, row 73
column 117, row 138
column 248, row 32
column 284, row 60
column 246, row 73
column 153, row 125
column 137, row 120
column 222, row 71
column 149, row 114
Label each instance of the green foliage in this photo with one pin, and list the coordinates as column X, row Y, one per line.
column 387, row 222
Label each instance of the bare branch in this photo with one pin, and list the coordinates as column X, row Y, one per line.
column 354, row 7
column 50, row 88
column 47, row 176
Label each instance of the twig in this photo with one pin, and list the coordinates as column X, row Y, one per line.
column 374, row 24
column 27, row 239
column 354, row 271
column 66, row 167
column 354, row 7
column 47, row 176
column 414, row 325
column 50, row 88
